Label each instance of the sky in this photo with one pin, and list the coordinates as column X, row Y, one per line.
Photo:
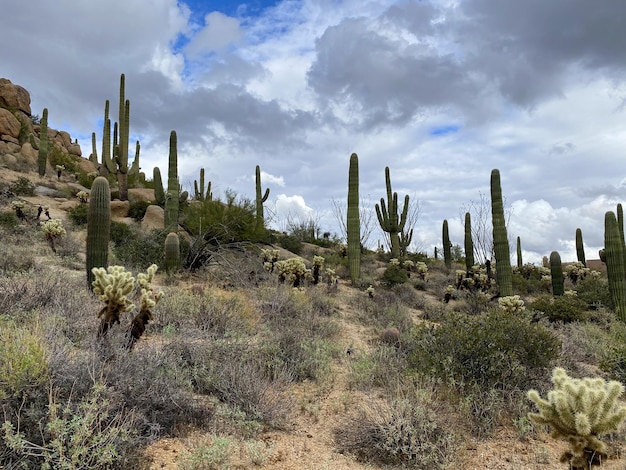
column 440, row 91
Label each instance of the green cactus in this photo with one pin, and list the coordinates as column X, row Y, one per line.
column 200, row 194
column 43, row 143
column 98, row 227
column 405, row 241
column 172, row 253
column 469, row 244
column 106, row 167
column 173, row 187
column 519, row 253
column 447, row 252
column 504, row 274
column 388, row 216
column 580, row 248
column 556, row 272
column 353, row 220
column 134, row 168
column 93, row 157
column 159, row 193
column 260, row 199
column 615, row 267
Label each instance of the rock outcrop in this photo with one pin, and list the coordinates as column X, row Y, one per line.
column 17, row 124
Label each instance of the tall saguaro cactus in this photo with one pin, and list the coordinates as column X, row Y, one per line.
column 447, row 252
column 43, row 143
column 615, row 267
column 353, row 222
column 580, row 248
column 388, row 217
column 519, row 253
column 504, row 274
column 260, row 199
column 173, row 188
column 469, row 244
column 200, row 193
column 556, row 273
column 98, row 227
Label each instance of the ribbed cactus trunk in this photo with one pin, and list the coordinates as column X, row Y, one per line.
column 615, row 267
column 98, row 227
column 504, row 274
column 556, row 273
column 469, row 244
column 123, row 145
column 260, row 199
column 159, row 192
column 93, row 157
column 171, row 198
column 43, row 143
column 447, row 252
column 620, row 226
column 388, row 219
column 172, row 253
column 519, row 253
column 353, row 222
column 580, row 248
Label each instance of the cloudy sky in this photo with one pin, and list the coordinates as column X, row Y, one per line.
column 440, row 91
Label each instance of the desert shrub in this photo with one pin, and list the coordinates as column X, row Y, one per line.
column 9, row 221
column 291, row 243
column 15, row 259
column 475, row 302
column 562, row 308
column 409, row 432
column 594, row 290
column 92, row 432
column 495, row 350
column 208, row 454
column 24, row 293
column 383, row 367
column 137, row 249
column 59, row 157
column 138, row 209
column 613, row 356
column 394, row 275
column 78, row 215
column 22, row 187
column 23, row 362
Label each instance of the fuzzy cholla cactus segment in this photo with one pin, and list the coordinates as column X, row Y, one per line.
column 53, row 228
column 580, row 410
column 112, row 286
column 148, row 298
column 511, row 304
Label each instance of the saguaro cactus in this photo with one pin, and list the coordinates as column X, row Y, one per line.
column 353, row 222
column 616, row 270
column 447, row 252
column 98, row 227
column 556, row 272
column 172, row 253
column 388, row 216
column 469, row 244
column 519, row 253
column 580, row 248
column 504, row 274
column 43, row 143
column 159, row 193
column 200, row 194
column 260, row 199
column 173, row 187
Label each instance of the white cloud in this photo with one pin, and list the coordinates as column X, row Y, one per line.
column 219, row 32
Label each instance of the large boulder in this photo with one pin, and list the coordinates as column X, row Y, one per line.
column 14, row 96
column 154, row 218
column 9, row 124
column 119, row 209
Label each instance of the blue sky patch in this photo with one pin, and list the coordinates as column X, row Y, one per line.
column 444, row 130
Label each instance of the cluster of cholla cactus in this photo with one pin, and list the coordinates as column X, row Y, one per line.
column 114, row 286
column 474, row 279
column 293, row 270
column 318, row 264
column 576, row 271
column 580, row 411
column 269, row 259
column 83, row 196
column 511, row 304
column 422, row 270
column 448, row 293
column 53, row 230
column 370, row 291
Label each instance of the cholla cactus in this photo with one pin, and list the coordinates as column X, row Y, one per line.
column 448, row 293
column 18, row 207
column 318, row 264
column 408, row 265
column 370, row 291
column 422, row 270
column 83, row 196
column 292, row 270
column 580, row 411
column 511, row 304
column 331, row 277
column 394, row 262
column 53, row 230
column 114, row 286
column 269, row 259
column 576, row 271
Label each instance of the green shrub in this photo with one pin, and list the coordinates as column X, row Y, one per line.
column 562, row 308
column 59, row 157
column 22, row 187
column 394, row 275
column 137, row 249
column 291, row 243
column 594, row 290
column 210, row 454
column 493, row 350
column 9, row 221
column 78, row 215
column 137, row 209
